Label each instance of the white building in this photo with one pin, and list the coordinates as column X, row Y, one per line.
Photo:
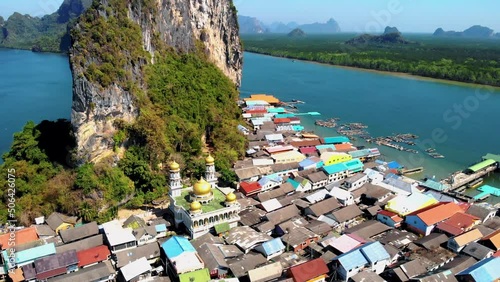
column 203, row 206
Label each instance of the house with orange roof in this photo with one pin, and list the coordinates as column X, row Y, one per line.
column 458, row 223
column 22, row 236
column 424, row 220
column 459, row 242
column 492, row 241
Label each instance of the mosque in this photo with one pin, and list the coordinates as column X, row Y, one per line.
column 204, row 206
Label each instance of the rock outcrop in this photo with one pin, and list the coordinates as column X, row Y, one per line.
column 297, row 33
column 180, row 24
column 475, row 31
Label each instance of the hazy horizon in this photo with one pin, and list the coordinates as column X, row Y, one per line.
column 423, row 16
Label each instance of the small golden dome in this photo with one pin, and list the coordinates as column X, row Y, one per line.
column 231, row 197
column 174, row 165
column 209, row 159
column 195, row 206
column 202, row 187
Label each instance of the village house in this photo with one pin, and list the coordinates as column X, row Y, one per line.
column 323, row 207
column 458, row 224
column 346, row 215
column 492, row 240
column 299, row 238
column 424, row 221
column 354, row 182
column 93, row 256
column 246, row 238
column 485, row 270
column 80, row 232
column 317, row 179
column 269, row 272
column 372, row 256
column 459, row 242
column 135, row 271
column 271, row 248
column 336, row 172
column 483, row 211
column 102, row 272
column 149, row 251
column 344, row 197
column 214, row 260
column 312, row 271
column 179, row 256
column 389, row 218
column 118, row 238
column 58, row 221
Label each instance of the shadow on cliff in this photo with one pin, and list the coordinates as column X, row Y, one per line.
column 56, row 140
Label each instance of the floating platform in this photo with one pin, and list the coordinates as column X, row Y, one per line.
column 308, row 114
column 486, row 191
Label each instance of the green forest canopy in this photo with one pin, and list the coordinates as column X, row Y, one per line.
column 459, row 59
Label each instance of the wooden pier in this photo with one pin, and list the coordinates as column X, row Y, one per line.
column 461, row 179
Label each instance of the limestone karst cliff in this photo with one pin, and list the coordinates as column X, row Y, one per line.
column 114, row 41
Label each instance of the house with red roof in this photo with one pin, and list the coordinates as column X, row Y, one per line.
column 22, row 236
column 423, row 221
column 93, row 256
column 458, row 223
column 389, row 218
column 250, row 188
column 314, row 270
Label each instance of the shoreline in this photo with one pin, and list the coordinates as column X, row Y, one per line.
column 397, row 74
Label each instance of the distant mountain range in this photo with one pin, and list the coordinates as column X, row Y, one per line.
column 475, row 31
column 49, row 33
column 251, row 25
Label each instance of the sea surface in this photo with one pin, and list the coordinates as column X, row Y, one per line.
column 33, row 86
column 460, row 122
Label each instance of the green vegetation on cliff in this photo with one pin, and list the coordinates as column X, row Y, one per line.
column 458, row 59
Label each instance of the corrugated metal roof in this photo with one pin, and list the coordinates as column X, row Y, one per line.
column 336, row 168
column 335, row 140
column 374, row 252
column 352, row 259
column 177, row 245
column 482, row 165
column 273, row 246
column 484, row 271
column 32, row 254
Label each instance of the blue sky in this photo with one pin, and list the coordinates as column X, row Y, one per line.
column 367, row 15
column 352, row 15
column 32, row 7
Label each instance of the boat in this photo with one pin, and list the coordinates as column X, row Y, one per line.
column 476, row 183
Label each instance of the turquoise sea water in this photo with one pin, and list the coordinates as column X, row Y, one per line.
column 33, row 86
column 36, row 86
column 461, row 122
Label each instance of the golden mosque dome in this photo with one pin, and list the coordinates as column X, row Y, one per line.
column 202, row 187
column 174, row 165
column 231, row 197
column 209, row 159
column 195, row 206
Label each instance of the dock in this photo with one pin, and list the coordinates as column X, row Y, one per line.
column 486, row 191
column 460, row 179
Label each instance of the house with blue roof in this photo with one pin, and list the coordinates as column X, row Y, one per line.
column 336, row 172
column 311, row 163
column 300, row 184
column 371, row 256
column 28, row 256
column 271, row 248
column 270, row 181
column 484, row 271
column 354, row 165
column 335, row 140
column 179, row 256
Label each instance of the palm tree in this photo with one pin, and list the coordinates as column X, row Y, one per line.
column 87, row 212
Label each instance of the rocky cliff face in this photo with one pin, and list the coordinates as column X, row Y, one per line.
column 181, row 24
